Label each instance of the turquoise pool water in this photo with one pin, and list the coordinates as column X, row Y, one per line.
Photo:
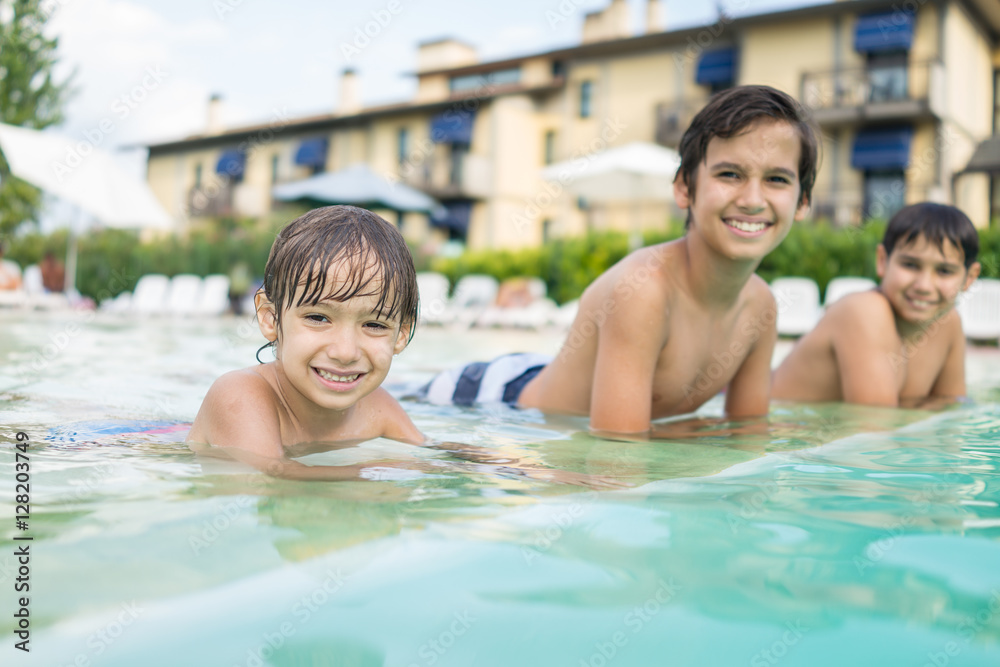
column 843, row 536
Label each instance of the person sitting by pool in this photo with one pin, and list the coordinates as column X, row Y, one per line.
column 901, row 343
column 671, row 325
column 339, row 300
column 10, row 273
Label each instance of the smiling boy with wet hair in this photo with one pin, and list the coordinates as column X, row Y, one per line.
column 339, row 300
column 671, row 325
column 902, row 343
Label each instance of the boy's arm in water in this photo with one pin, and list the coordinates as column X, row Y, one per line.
column 950, row 382
column 866, row 346
column 239, row 420
column 749, row 392
column 629, row 344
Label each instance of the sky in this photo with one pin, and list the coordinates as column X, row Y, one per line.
column 144, row 69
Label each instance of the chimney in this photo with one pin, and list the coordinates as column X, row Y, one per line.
column 612, row 22
column 215, row 123
column 350, row 93
column 654, row 16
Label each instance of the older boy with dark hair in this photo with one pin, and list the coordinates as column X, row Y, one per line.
column 901, row 343
column 672, row 325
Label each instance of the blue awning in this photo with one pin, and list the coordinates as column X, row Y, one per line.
column 454, row 126
column 312, row 152
column 231, row 163
column 456, row 219
column 885, row 31
column 718, row 66
column 882, row 148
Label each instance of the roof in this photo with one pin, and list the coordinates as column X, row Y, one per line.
column 986, row 158
column 985, row 14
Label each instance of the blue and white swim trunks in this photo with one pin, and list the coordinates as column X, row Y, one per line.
column 500, row 380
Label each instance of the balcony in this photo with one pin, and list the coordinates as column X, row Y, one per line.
column 451, row 174
column 673, row 118
column 913, row 91
column 214, row 200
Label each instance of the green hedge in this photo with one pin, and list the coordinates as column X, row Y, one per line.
column 812, row 250
column 111, row 261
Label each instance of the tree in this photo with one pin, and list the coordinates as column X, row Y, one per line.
column 29, row 96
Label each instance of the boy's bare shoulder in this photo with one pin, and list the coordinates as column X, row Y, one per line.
column 241, row 384
column 862, row 313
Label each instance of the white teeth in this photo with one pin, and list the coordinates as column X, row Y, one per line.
column 337, row 378
column 747, row 226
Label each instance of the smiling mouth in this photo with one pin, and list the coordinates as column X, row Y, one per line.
column 748, row 227
column 921, row 303
column 330, row 377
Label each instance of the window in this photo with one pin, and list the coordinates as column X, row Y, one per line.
column 885, row 193
column 274, row 168
column 585, row 94
column 546, row 231
column 550, row 147
column 197, row 175
column 402, row 145
column 887, row 76
column 500, row 77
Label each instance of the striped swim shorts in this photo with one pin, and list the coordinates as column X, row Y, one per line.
column 500, row 380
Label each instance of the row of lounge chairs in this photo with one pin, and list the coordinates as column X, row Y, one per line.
column 474, row 303
column 183, row 295
column 799, row 306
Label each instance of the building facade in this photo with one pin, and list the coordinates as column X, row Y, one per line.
column 905, row 94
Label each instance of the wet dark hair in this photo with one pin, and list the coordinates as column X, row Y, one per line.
column 733, row 111
column 372, row 251
column 936, row 223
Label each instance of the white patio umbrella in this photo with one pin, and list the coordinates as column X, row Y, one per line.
column 635, row 172
column 84, row 176
column 359, row 186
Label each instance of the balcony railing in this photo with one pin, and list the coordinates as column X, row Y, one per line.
column 905, row 91
column 673, row 118
column 210, row 201
column 445, row 176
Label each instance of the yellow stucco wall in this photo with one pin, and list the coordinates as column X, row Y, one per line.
column 778, row 54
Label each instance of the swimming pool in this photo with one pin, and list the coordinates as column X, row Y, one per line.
column 845, row 536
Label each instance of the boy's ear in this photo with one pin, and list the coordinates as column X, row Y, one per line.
column 265, row 316
column 881, row 260
column 682, row 194
column 802, row 210
column 971, row 275
column 401, row 339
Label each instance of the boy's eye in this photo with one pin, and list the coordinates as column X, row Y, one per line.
column 315, row 317
column 946, row 271
column 727, row 174
column 380, row 326
column 784, row 180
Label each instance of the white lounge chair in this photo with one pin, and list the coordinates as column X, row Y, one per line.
column 150, row 294
column 841, row 287
column 474, row 293
column 980, row 310
column 184, row 295
column 798, row 305
column 214, row 295
column 566, row 314
column 433, row 289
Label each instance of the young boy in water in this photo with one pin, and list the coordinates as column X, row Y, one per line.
column 339, row 300
column 901, row 343
column 671, row 325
